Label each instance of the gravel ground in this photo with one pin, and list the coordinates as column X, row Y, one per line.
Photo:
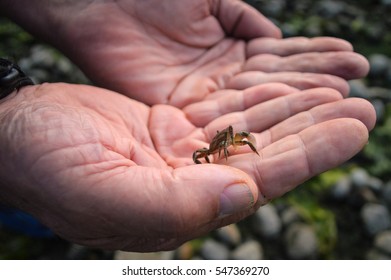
column 341, row 214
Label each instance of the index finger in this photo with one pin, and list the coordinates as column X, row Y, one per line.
column 296, row 158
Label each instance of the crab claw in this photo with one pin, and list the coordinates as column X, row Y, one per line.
column 201, row 153
column 252, row 142
column 246, row 138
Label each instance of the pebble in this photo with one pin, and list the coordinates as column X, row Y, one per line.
column 380, row 109
column 270, row 8
column 330, row 9
column 375, row 184
column 122, row 255
column 230, row 235
column 77, row 252
column 289, row 30
column 386, row 2
column 387, row 194
column 64, row 65
column 376, row 218
column 379, row 65
column 367, row 195
column 358, row 89
column 184, row 252
column 375, row 32
column 273, row 8
column 383, row 242
column 341, row 189
column 44, row 64
column 42, row 56
column 375, row 254
column 213, row 250
column 249, row 250
column 289, row 216
column 266, row 222
column 360, row 178
column 301, row 242
column 380, row 92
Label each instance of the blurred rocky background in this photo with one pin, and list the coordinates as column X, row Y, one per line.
column 341, row 214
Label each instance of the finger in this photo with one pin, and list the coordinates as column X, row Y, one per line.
column 355, row 108
column 294, row 159
column 267, row 114
column 296, row 45
column 346, row 65
column 241, row 20
column 228, row 101
column 175, row 206
column 298, row 80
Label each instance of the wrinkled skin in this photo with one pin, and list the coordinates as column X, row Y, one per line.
column 103, row 170
column 181, row 52
column 114, row 173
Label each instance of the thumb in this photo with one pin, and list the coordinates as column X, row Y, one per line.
column 241, row 20
column 214, row 191
column 190, row 201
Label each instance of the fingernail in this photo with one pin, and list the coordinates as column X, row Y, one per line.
column 234, row 199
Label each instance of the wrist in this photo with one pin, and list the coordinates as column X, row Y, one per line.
column 12, row 135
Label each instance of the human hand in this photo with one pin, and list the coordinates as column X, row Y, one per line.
column 103, row 170
column 181, row 52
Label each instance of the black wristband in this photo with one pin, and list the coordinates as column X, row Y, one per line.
column 11, row 78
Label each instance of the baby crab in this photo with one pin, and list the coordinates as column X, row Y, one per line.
column 222, row 141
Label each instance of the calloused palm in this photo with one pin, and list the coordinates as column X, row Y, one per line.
column 103, row 170
column 181, row 52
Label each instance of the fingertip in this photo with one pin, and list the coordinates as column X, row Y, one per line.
column 357, row 66
column 367, row 110
column 359, row 129
column 333, row 142
column 365, row 66
column 332, row 44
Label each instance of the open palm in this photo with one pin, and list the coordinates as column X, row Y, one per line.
column 181, row 52
column 103, row 170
